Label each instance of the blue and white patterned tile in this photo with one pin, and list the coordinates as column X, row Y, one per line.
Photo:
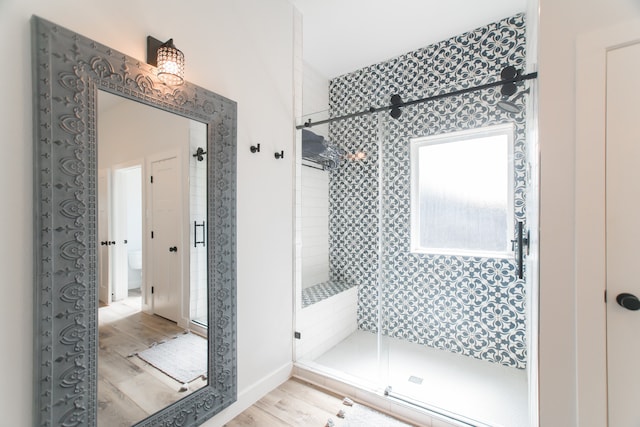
column 469, row 305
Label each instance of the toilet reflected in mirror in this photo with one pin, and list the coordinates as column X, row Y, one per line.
column 135, row 269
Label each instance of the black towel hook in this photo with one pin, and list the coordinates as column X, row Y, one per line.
column 200, row 154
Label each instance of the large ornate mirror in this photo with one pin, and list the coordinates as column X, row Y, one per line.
column 74, row 78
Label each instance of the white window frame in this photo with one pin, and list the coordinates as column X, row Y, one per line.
column 507, row 130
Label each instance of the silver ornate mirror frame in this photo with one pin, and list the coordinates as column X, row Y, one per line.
column 68, row 70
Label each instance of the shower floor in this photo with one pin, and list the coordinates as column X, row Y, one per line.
column 445, row 382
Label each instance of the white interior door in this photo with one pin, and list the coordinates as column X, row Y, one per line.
column 623, row 234
column 104, row 279
column 165, row 244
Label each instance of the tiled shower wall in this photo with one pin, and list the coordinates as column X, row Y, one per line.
column 469, row 305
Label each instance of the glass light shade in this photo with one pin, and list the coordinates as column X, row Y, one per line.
column 170, row 64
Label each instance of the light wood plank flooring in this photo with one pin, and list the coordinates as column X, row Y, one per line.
column 295, row 403
column 129, row 390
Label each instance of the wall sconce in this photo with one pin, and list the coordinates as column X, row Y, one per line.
column 168, row 59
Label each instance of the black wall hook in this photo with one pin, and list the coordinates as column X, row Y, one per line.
column 255, row 148
column 200, row 154
column 279, row 155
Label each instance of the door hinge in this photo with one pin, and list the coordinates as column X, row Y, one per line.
column 152, row 179
column 152, row 289
column 152, row 234
column 605, row 296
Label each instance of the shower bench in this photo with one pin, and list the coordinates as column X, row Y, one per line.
column 323, row 290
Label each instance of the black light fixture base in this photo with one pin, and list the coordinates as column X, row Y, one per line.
column 152, row 50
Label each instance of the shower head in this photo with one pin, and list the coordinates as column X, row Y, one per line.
column 510, row 106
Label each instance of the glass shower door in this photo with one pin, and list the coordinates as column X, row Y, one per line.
column 453, row 295
column 338, row 251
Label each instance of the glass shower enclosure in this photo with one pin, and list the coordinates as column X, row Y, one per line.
column 415, row 279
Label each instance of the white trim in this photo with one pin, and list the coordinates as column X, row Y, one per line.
column 505, row 129
column 533, row 258
column 590, row 258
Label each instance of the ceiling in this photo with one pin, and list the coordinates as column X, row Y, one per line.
column 340, row 36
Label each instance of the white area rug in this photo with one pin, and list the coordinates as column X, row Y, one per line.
column 362, row 416
column 183, row 358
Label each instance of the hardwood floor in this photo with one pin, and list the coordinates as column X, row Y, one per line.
column 294, row 403
column 129, row 390
column 297, row 403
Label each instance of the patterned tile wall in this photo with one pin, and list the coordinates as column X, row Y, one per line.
column 469, row 305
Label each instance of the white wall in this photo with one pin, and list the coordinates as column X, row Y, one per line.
column 241, row 49
column 561, row 22
column 126, row 133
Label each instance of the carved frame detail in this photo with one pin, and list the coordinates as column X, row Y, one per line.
column 68, row 69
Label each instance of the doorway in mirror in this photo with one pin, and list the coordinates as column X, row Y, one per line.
column 120, row 232
column 127, row 230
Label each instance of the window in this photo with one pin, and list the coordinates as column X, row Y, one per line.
column 462, row 192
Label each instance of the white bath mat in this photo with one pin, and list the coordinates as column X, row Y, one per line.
column 183, row 358
column 362, row 416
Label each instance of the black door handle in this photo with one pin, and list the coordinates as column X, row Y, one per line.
column 628, row 301
column 518, row 244
column 173, row 249
column 104, row 243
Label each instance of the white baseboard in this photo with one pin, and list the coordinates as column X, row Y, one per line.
column 251, row 395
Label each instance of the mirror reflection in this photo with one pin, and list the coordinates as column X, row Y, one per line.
column 152, row 255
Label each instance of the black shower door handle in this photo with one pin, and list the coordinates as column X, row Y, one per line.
column 520, row 242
